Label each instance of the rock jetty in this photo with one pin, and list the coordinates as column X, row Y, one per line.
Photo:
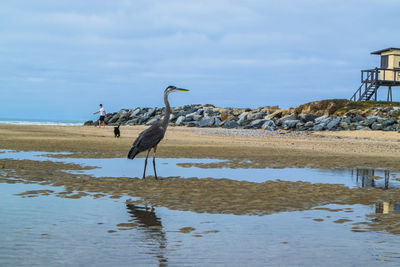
column 326, row 115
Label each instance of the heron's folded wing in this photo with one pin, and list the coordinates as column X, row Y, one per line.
column 149, row 138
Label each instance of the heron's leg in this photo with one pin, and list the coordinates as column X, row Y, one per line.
column 145, row 164
column 154, row 161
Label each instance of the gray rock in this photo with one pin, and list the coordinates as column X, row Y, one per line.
column 319, row 127
column 285, row 118
column 243, row 115
column 135, row 113
column 180, row 120
column 193, row 117
column 320, row 119
column 256, row 116
column 346, row 120
column 386, row 123
column 359, row 127
column 357, row 118
column 309, row 124
column 172, row 117
column 389, row 128
column 369, row 120
column 257, row 123
column 242, row 121
column 299, row 125
column 207, row 121
column 208, row 112
column 269, row 125
column 344, row 125
column 229, row 124
column 333, row 123
column 113, row 119
column 192, row 124
column 275, row 115
column 290, row 123
column 376, row 126
column 153, row 120
column 307, row 117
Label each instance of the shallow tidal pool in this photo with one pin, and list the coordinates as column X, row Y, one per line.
column 242, row 170
column 45, row 230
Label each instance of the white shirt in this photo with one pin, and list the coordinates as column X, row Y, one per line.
column 102, row 112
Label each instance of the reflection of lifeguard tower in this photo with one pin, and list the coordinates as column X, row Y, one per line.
column 387, row 75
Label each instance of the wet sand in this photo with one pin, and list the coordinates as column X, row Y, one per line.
column 215, row 196
column 270, row 149
column 320, row 150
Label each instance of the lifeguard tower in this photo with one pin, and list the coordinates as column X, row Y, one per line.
column 387, row 75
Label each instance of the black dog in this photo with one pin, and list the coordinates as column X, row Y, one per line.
column 117, row 132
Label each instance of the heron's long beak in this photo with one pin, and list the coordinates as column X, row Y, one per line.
column 181, row 89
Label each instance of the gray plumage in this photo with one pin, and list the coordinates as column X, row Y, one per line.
column 149, row 138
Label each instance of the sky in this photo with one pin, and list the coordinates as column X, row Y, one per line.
column 60, row 59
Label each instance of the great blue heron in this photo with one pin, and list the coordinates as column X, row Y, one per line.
column 149, row 138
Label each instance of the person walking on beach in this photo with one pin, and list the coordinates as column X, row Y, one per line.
column 103, row 115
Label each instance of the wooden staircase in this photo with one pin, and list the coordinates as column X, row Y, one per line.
column 369, row 86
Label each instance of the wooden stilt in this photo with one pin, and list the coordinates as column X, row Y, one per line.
column 389, row 96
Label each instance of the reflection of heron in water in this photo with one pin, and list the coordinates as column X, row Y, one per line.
column 149, row 138
column 151, row 226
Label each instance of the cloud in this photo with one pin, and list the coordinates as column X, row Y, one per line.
column 265, row 46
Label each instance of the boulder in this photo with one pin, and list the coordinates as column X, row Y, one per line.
column 321, row 119
column 230, row 123
column 180, row 120
column 113, row 119
column 88, row 123
column 369, row 120
column 192, row 124
column 309, row 124
column 287, row 117
column 376, row 126
column 306, row 117
column 153, row 120
column 275, row 115
column 257, row 123
column 333, row 123
column 386, row 123
column 135, row 113
column 207, row 121
column 290, row 123
column 243, row 115
column 255, row 116
column 319, row 127
column 269, row 125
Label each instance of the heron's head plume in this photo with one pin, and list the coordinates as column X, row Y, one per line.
column 172, row 88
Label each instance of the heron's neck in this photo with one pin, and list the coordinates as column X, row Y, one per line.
column 167, row 112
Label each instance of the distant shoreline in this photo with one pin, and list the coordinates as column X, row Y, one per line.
column 40, row 122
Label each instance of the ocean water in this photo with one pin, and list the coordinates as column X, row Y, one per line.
column 40, row 122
